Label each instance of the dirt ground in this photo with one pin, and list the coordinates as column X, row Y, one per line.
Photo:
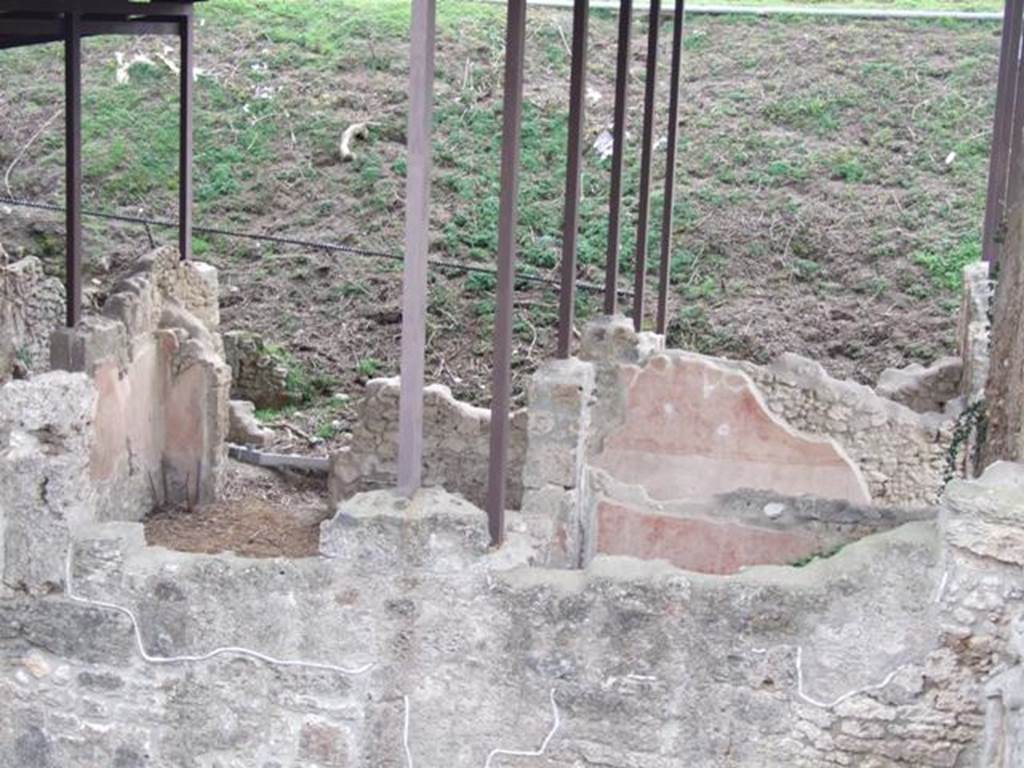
column 831, row 181
column 261, row 513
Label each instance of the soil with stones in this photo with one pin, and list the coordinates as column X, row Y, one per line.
column 261, row 513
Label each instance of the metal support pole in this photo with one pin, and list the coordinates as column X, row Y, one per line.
column 646, row 147
column 417, row 241
column 670, row 169
column 511, row 123
column 1009, row 55
column 611, row 268
column 574, row 158
column 185, row 147
column 73, row 165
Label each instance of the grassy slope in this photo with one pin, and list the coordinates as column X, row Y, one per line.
column 816, row 209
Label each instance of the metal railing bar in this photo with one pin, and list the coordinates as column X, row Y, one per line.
column 611, row 270
column 574, row 158
column 661, row 321
column 497, row 471
column 646, row 150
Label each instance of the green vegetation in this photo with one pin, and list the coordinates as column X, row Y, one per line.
column 369, row 367
column 945, row 265
column 827, row 169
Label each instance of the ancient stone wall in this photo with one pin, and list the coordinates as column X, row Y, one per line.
column 902, row 454
column 31, row 308
column 456, row 446
column 410, row 644
column 715, row 465
column 162, row 387
column 46, row 433
column 257, row 375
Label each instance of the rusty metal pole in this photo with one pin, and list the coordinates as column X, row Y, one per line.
column 611, row 268
column 417, row 242
column 661, row 323
column 515, row 39
column 1009, row 54
column 185, row 148
column 574, row 159
column 73, row 164
column 646, row 148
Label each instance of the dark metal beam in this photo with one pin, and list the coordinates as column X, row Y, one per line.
column 661, row 321
column 21, row 42
column 97, row 7
column 132, row 27
column 1009, row 55
column 611, row 268
column 574, row 159
column 185, row 140
column 646, row 149
column 73, row 170
column 417, row 246
column 18, row 31
column 512, row 113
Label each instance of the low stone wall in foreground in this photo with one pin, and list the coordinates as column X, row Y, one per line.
column 408, row 644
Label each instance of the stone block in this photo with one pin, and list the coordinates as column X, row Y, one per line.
column 244, row 428
column 45, row 487
column 560, row 394
column 923, row 389
column 379, row 530
column 93, row 341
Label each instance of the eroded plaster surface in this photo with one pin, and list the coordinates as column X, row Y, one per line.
column 409, row 644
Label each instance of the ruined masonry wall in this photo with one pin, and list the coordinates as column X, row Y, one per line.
column 31, row 307
column 901, row 453
column 46, row 432
column 256, row 375
column 456, row 446
column 161, row 416
column 427, row 643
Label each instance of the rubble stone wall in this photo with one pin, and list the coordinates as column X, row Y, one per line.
column 31, row 308
column 409, row 643
column 902, row 454
column 257, row 375
column 456, row 446
column 46, row 434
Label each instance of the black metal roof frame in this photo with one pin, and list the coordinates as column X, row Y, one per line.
column 35, row 22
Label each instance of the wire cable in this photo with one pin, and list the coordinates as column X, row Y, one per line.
column 320, row 245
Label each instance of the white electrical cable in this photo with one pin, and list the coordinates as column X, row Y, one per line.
column 225, row 650
column 544, row 744
column 405, row 735
column 835, row 702
column 557, row 721
column 848, row 695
